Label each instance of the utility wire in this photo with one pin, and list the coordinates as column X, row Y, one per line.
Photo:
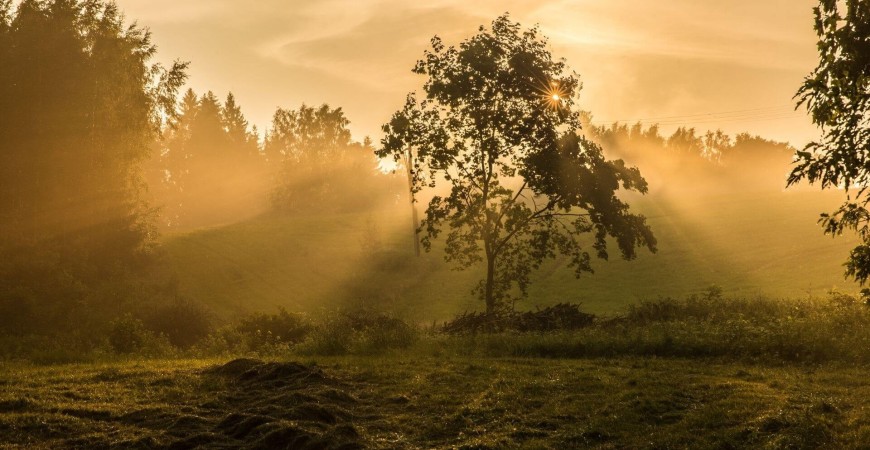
column 755, row 114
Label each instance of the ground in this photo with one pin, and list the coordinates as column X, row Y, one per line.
column 404, row 401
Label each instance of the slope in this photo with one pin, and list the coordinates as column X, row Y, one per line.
column 746, row 243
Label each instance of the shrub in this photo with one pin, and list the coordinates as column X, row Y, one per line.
column 261, row 333
column 359, row 331
column 183, row 322
column 128, row 335
column 561, row 317
column 281, row 328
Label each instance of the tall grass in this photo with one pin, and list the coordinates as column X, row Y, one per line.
column 811, row 330
column 835, row 328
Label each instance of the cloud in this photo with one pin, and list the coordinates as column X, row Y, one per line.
column 637, row 58
column 377, row 52
column 740, row 32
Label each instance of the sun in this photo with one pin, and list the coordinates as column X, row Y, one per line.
column 554, row 96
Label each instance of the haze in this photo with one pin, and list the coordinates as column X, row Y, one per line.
column 732, row 65
column 239, row 230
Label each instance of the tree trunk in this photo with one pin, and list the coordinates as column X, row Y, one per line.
column 490, row 282
column 415, row 222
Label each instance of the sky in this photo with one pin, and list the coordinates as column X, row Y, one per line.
column 732, row 65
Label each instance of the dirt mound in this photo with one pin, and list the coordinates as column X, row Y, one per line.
column 271, row 405
column 253, row 371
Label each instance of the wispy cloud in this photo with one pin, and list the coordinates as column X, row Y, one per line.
column 636, row 57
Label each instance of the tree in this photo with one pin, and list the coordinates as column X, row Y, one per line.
column 496, row 127
column 715, row 144
column 210, row 170
column 81, row 108
column 690, row 164
column 837, row 96
column 685, row 142
column 243, row 140
column 319, row 167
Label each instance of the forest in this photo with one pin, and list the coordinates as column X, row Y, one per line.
column 495, row 267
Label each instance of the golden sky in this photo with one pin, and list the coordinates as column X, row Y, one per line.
column 733, row 64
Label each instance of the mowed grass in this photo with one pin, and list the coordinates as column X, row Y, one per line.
column 408, row 401
column 748, row 243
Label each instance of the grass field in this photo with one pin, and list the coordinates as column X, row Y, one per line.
column 424, row 402
column 748, row 243
column 703, row 372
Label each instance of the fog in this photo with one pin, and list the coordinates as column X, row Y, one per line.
column 128, row 194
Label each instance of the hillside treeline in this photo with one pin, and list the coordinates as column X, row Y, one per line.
column 213, row 168
column 689, row 162
column 100, row 150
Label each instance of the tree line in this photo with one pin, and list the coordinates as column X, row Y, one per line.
column 98, row 153
column 212, row 167
column 690, row 162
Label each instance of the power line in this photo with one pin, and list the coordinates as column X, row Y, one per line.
column 754, row 114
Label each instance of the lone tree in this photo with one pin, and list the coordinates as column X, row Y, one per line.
column 497, row 127
column 837, row 95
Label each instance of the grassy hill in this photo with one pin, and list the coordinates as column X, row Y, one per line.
column 748, row 243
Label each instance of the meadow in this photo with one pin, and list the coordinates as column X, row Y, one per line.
column 329, row 334
column 175, row 275
column 705, row 371
column 747, row 243
column 425, row 402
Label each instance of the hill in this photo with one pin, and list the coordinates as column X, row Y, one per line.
column 745, row 242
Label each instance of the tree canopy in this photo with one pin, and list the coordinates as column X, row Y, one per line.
column 837, row 95
column 521, row 183
column 210, row 169
column 318, row 165
column 82, row 106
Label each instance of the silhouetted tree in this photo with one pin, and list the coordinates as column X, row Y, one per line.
column 715, row 144
column 837, row 95
column 169, row 170
column 242, row 139
column 756, row 162
column 496, row 126
column 692, row 163
column 684, row 141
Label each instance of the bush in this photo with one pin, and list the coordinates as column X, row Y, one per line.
column 360, row 331
column 561, row 317
column 835, row 328
column 261, row 333
column 183, row 322
column 128, row 335
column 281, row 328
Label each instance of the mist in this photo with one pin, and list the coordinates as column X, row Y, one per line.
column 390, row 226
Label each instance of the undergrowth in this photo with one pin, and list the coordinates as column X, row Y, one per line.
column 835, row 328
